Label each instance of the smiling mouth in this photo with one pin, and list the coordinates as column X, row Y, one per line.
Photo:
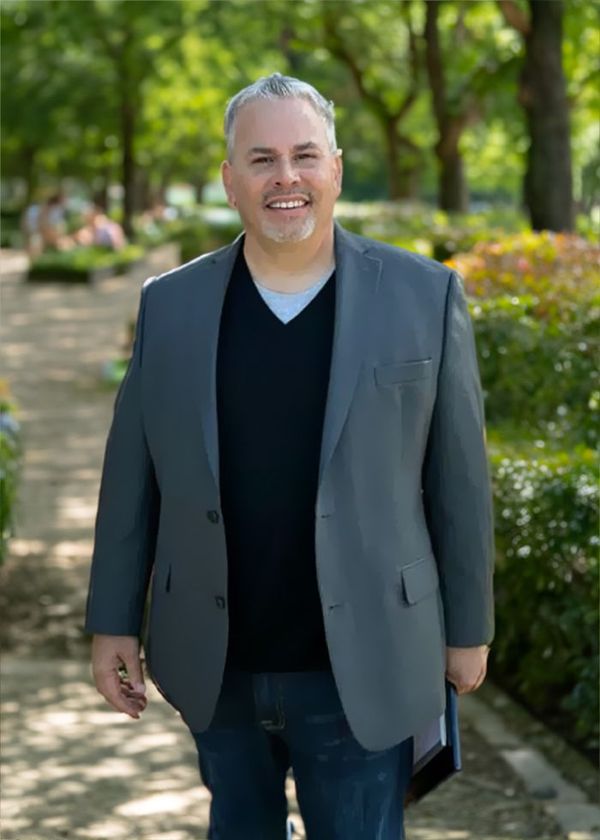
column 290, row 204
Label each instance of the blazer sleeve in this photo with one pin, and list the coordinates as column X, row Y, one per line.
column 128, row 509
column 457, row 490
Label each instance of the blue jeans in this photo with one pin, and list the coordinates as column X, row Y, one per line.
column 266, row 723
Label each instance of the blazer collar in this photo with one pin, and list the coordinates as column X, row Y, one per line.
column 357, row 277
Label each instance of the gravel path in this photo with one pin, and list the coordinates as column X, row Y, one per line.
column 71, row 767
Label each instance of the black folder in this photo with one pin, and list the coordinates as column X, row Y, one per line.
column 436, row 752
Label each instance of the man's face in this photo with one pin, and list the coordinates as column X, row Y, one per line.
column 282, row 177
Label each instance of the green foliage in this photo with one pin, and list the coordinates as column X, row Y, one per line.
column 196, row 236
column 542, row 373
column 85, row 259
column 562, row 271
column 547, row 584
column 536, row 314
column 433, row 233
column 535, row 305
column 77, row 69
column 10, row 463
column 10, row 228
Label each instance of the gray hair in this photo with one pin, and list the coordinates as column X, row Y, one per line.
column 277, row 86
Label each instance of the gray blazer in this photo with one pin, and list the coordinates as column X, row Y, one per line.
column 403, row 516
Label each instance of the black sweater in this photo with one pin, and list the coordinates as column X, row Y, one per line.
column 272, row 381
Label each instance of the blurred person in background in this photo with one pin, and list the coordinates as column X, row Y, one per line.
column 30, row 227
column 43, row 225
column 100, row 231
column 296, row 468
column 52, row 224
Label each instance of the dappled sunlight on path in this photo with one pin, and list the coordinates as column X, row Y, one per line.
column 56, row 339
column 74, row 767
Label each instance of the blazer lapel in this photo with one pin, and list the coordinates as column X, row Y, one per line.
column 357, row 279
column 204, row 334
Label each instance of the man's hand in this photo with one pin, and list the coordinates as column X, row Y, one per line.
column 466, row 667
column 111, row 655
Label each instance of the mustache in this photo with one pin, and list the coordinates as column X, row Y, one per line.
column 273, row 196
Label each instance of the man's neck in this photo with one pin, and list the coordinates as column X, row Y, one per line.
column 290, row 266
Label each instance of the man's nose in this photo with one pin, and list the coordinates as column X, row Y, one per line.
column 286, row 173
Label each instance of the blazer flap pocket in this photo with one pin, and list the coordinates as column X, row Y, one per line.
column 420, row 579
column 397, row 372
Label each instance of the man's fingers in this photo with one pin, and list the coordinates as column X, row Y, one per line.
column 134, row 672
column 118, row 672
column 129, row 691
column 466, row 667
column 110, row 687
column 140, row 699
column 464, row 685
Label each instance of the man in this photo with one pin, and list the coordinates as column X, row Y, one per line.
column 297, row 462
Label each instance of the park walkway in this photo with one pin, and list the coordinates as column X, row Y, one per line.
column 71, row 767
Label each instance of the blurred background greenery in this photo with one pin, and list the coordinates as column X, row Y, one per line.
column 470, row 134
column 459, row 104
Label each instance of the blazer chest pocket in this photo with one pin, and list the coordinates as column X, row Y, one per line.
column 400, row 373
column 419, row 579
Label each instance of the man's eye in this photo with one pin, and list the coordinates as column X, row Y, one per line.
column 262, row 160
column 306, row 155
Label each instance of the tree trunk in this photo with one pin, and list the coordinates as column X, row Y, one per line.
column 128, row 162
column 402, row 172
column 453, row 193
column 101, row 184
column 410, row 181
column 143, row 190
column 548, row 180
column 291, row 55
column 129, row 85
column 392, row 150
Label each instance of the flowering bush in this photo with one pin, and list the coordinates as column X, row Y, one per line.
column 535, row 303
column 561, row 272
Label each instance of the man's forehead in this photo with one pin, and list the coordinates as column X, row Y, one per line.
column 293, row 104
column 262, row 124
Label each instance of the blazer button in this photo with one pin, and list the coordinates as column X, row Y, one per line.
column 220, row 602
column 213, row 516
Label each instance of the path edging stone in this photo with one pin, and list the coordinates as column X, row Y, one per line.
column 565, row 802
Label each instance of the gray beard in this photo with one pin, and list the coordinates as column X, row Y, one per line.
column 294, row 232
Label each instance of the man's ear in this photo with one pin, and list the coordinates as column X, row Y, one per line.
column 226, row 177
column 339, row 170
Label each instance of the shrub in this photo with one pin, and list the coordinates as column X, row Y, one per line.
column 560, row 271
column 10, row 458
column 199, row 237
column 80, row 260
column 547, row 585
column 431, row 232
column 540, row 372
column 536, row 313
column 10, row 228
column 536, row 308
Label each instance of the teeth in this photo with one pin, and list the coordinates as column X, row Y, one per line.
column 287, row 205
